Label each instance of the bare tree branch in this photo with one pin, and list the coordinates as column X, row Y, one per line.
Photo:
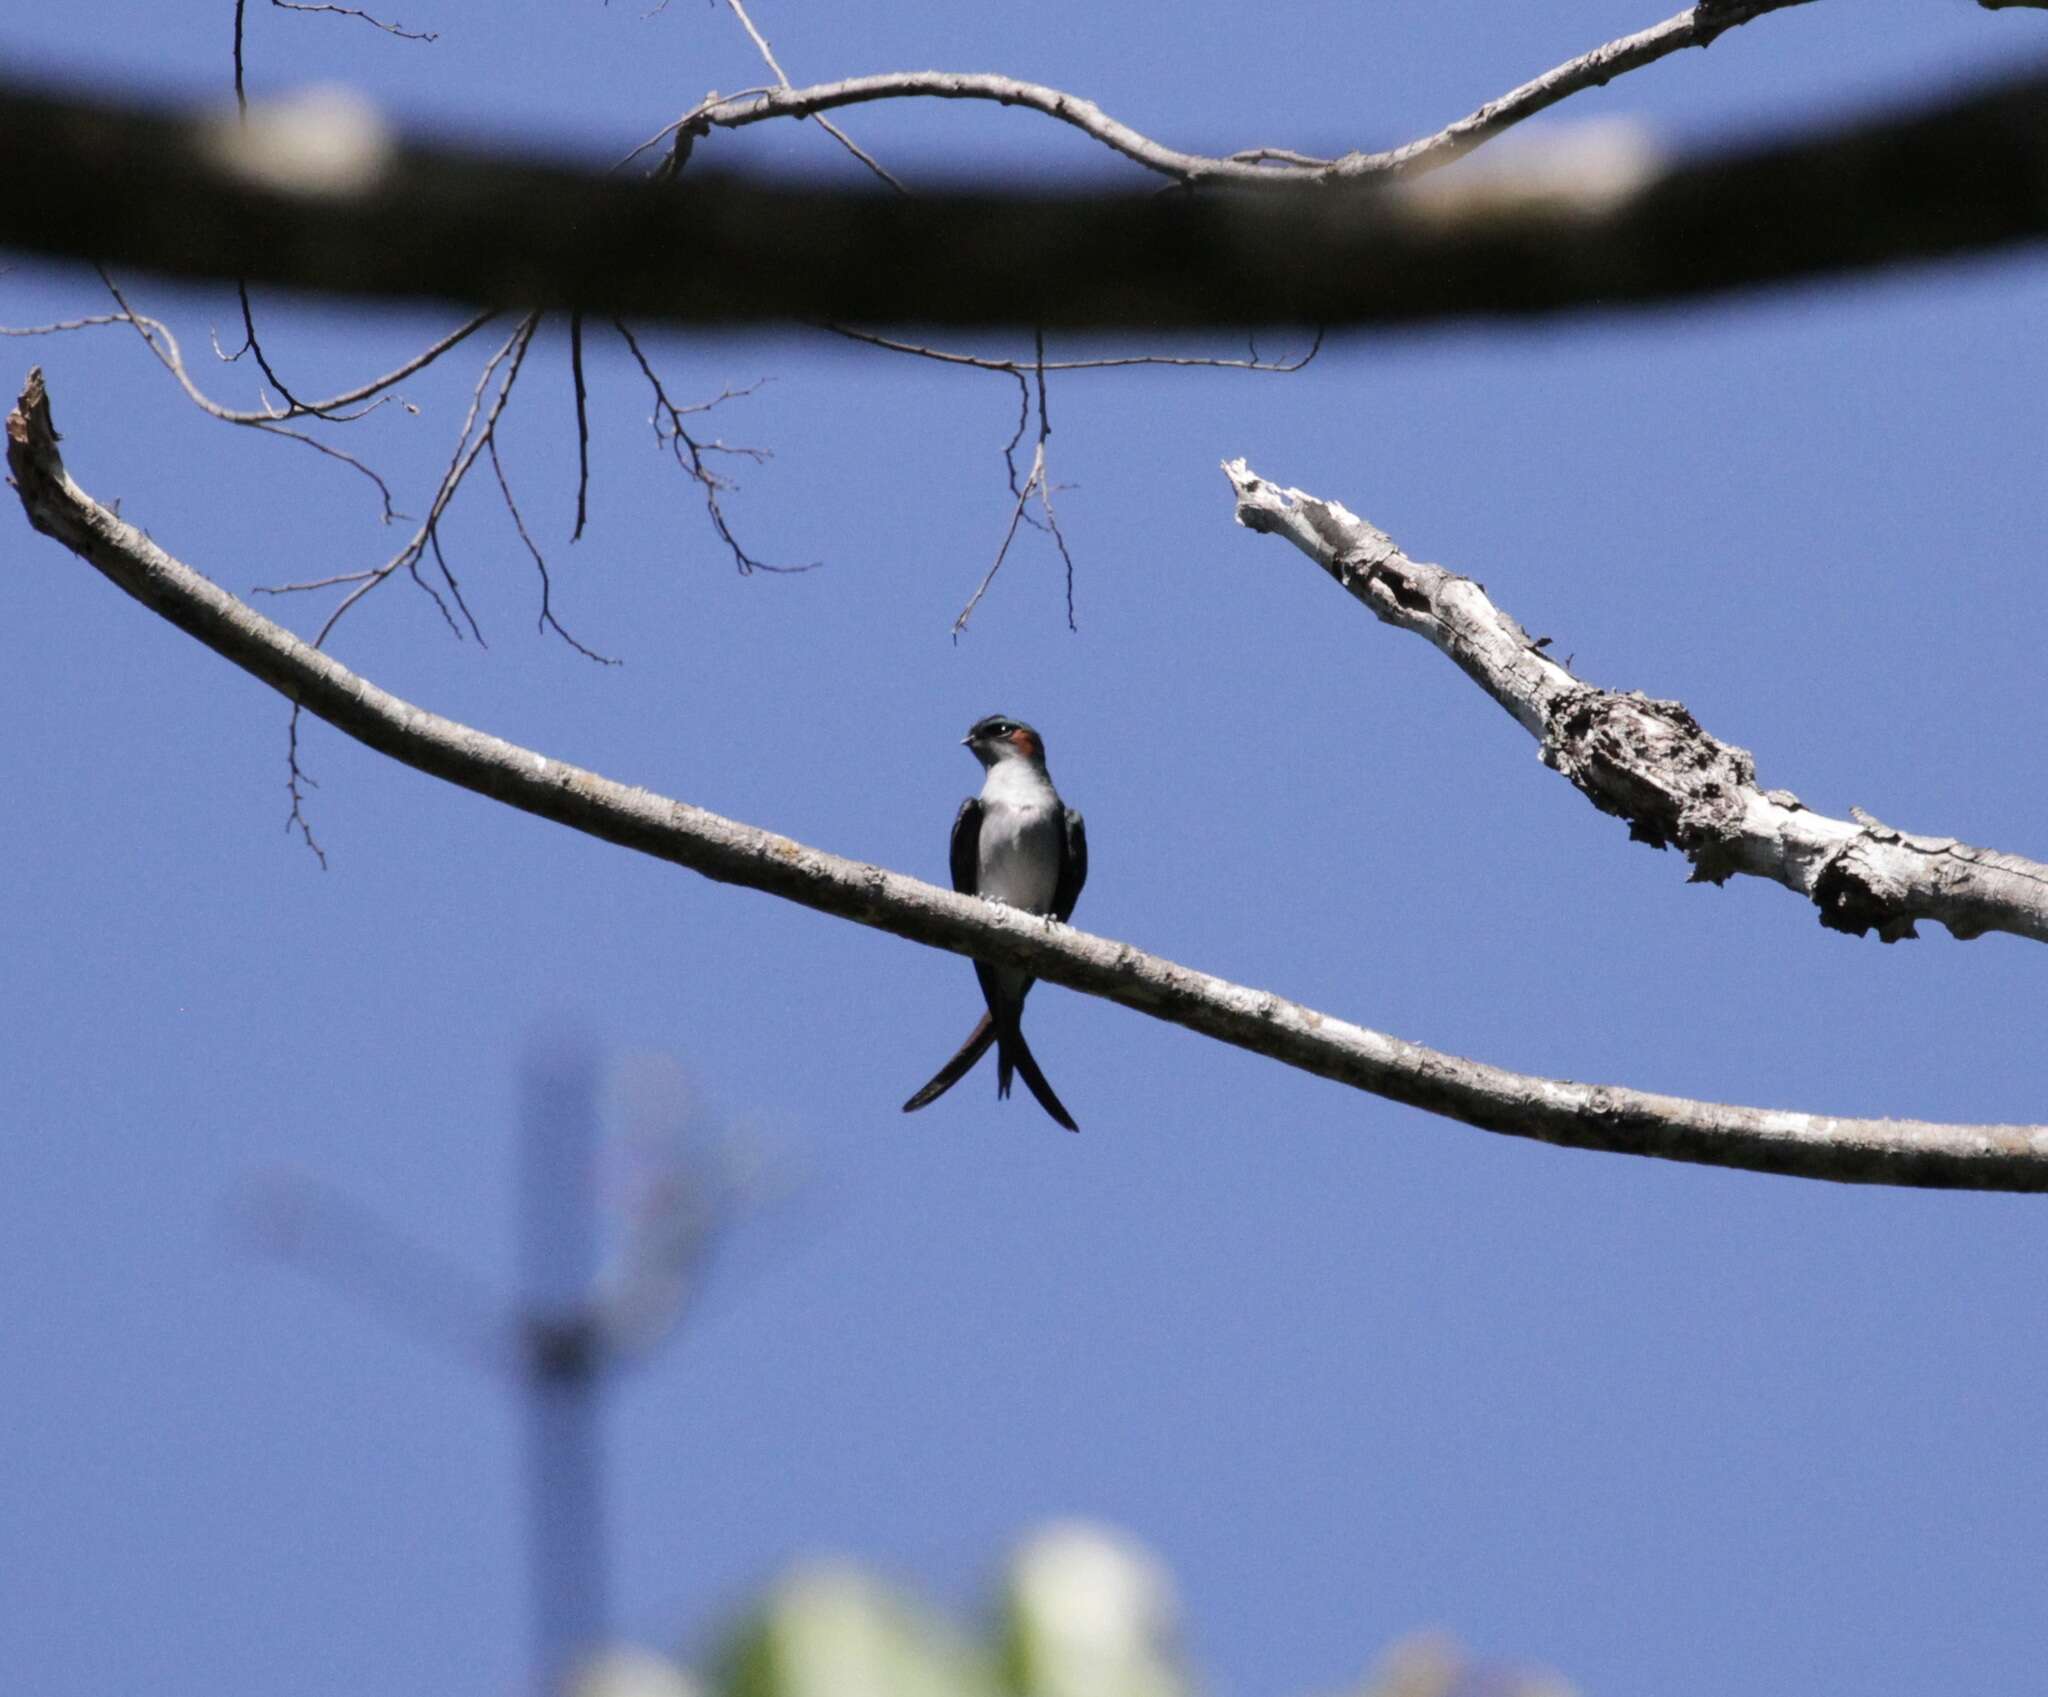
column 1108, row 362
column 376, row 217
column 354, row 12
column 474, row 440
column 1038, row 482
column 157, row 336
column 2011, row 1157
column 1649, row 762
column 241, row 11
column 547, row 620
column 251, row 343
column 582, row 425
column 831, row 129
column 297, row 782
column 694, row 456
column 1697, row 26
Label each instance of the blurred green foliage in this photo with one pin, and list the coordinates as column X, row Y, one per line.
column 1082, row 1612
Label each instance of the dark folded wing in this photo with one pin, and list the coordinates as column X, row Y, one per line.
column 967, row 847
column 1073, row 869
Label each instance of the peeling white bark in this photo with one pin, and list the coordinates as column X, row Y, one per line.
column 1912, row 1152
column 1649, row 763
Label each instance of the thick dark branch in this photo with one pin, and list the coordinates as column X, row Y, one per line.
column 324, row 199
column 1583, row 1116
column 1650, row 763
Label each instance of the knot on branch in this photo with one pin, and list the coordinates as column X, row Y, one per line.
column 1372, row 571
column 1856, row 894
column 1649, row 763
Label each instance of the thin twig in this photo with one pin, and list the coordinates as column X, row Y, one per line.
column 469, row 443
column 1052, row 522
column 155, row 331
column 1030, row 378
column 1002, row 552
column 548, row 621
column 1038, row 366
column 252, row 344
column 353, row 12
column 1112, row 362
column 1017, row 436
column 390, row 512
column 672, row 434
column 582, row 424
column 61, row 326
column 297, row 782
column 157, row 336
column 412, row 570
column 250, row 341
column 739, row 11
column 241, row 92
column 454, row 587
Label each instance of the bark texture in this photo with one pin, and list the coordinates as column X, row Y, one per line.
column 1649, row 762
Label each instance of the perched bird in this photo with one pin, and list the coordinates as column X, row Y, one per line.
column 1018, row 843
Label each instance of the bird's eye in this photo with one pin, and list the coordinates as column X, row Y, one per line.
column 1001, row 728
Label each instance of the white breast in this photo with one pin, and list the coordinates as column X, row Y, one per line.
column 1022, row 827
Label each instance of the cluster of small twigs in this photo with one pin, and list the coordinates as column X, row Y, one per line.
column 1031, row 487
column 694, row 456
column 285, row 415
column 1029, row 376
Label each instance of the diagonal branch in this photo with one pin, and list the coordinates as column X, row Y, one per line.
column 1583, row 1116
column 1649, row 762
column 1696, row 26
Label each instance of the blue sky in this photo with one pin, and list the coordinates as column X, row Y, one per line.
column 1350, row 1370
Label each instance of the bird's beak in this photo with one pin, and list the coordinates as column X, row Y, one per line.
column 967, row 742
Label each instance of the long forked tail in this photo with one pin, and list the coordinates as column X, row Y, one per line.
column 977, row 1045
column 1013, row 1051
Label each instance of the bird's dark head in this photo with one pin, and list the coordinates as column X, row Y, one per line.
column 999, row 737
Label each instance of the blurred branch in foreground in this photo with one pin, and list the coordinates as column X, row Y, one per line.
column 323, row 196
